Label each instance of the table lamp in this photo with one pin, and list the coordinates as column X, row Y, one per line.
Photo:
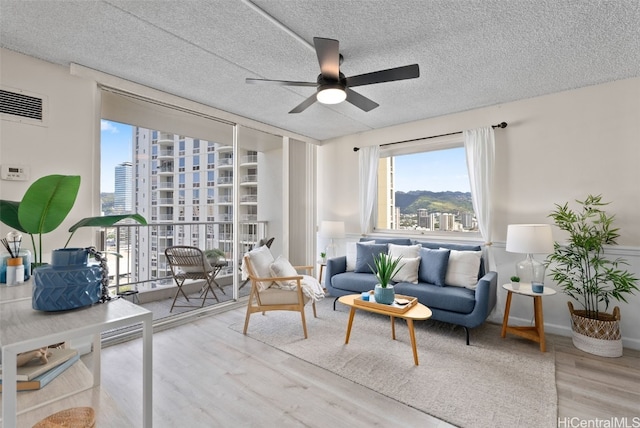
column 332, row 230
column 530, row 239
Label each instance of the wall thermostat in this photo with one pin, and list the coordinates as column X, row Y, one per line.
column 14, row 172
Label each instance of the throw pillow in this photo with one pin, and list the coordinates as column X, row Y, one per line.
column 433, row 266
column 406, row 251
column 463, row 268
column 282, row 268
column 352, row 254
column 261, row 260
column 408, row 271
column 365, row 255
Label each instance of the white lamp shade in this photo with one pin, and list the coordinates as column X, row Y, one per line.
column 529, row 239
column 332, row 229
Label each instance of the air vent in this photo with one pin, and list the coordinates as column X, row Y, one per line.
column 21, row 106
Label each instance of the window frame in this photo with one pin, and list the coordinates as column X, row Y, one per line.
column 434, row 144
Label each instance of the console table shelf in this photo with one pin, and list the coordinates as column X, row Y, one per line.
column 23, row 329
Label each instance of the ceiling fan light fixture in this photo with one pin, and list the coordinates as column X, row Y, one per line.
column 331, row 94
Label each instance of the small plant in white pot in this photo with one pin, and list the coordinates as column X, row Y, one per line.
column 584, row 272
column 515, row 282
column 385, row 267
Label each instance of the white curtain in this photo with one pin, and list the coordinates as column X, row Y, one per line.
column 479, row 145
column 368, row 157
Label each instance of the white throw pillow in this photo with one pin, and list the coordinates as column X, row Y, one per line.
column 463, row 267
column 352, row 254
column 281, row 268
column 406, row 251
column 408, row 271
column 261, row 260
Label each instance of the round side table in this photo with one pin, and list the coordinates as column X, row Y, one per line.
column 535, row 333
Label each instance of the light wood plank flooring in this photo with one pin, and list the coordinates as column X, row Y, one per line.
column 206, row 375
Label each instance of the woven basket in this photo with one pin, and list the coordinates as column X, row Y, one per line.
column 75, row 417
column 597, row 336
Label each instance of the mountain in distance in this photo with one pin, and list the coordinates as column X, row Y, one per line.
column 107, row 203
column 447, row 202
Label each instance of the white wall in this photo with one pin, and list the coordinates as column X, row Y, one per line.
column 67, row 145
column 557, row 148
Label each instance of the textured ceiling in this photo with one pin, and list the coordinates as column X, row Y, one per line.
column 471, row 53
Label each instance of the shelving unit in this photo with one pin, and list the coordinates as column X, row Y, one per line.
column 23, row 329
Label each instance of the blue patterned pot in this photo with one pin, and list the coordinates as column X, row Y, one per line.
column 67, row 283
column 385, row 295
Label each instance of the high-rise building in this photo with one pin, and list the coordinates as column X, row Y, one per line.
column 186, row 180
column 123, row 189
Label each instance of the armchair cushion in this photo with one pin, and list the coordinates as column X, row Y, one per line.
column 281, row 267
column 261, row 261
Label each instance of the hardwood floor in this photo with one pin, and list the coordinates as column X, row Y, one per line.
column 206, row 375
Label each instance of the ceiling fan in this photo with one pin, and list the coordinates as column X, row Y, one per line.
column 333, row 87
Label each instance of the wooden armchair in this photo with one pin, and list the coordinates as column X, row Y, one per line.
column 264, row 298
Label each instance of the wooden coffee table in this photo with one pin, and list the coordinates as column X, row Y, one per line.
column 417, row 312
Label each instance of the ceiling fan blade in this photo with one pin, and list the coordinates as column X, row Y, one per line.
column 280, row 82
column 360, row 101
column 399, row 73
column 303, row 105
column 328, row 57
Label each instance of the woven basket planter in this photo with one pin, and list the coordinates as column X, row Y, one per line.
column 597, row 336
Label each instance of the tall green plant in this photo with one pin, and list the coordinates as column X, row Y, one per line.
column 385, row 268
column 45, row 205
column 581, row 268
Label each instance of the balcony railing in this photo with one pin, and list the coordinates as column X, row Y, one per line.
column 143, row 266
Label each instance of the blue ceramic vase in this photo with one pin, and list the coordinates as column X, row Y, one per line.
column 384, row 295
column 67, row 283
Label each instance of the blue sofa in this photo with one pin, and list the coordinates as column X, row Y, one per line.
column 462, row 306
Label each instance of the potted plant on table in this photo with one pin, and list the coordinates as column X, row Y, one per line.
column 584, row 272
column 515, row 282
column 214, row 255
column 385, row 269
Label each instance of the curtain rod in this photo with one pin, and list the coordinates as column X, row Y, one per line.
column 500, row 125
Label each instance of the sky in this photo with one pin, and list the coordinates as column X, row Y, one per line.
column 437, row 171
column 116, row 147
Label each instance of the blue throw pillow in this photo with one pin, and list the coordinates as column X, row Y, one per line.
column 365, row 255
column 433, row 266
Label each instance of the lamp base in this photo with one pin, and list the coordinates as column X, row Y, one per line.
column 530, row 270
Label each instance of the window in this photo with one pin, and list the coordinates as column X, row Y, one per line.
column 425, row 191
column 196, row 163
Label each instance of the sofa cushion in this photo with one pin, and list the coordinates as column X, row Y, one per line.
column 451, row 299
column 433, row 267
column 352, row 254
column 408, row 270
column 462, row 270
column 354, row 282
column 458, row 247
column 406, row 251
column 365, row 255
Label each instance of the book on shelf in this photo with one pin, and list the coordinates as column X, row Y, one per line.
column 35, row 367
column 42, row 380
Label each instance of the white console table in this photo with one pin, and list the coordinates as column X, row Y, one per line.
column 23, row 329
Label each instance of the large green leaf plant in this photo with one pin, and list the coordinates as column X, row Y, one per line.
column 581, row 267
column 45, row 205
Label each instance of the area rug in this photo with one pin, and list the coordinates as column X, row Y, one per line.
column 494, row 382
